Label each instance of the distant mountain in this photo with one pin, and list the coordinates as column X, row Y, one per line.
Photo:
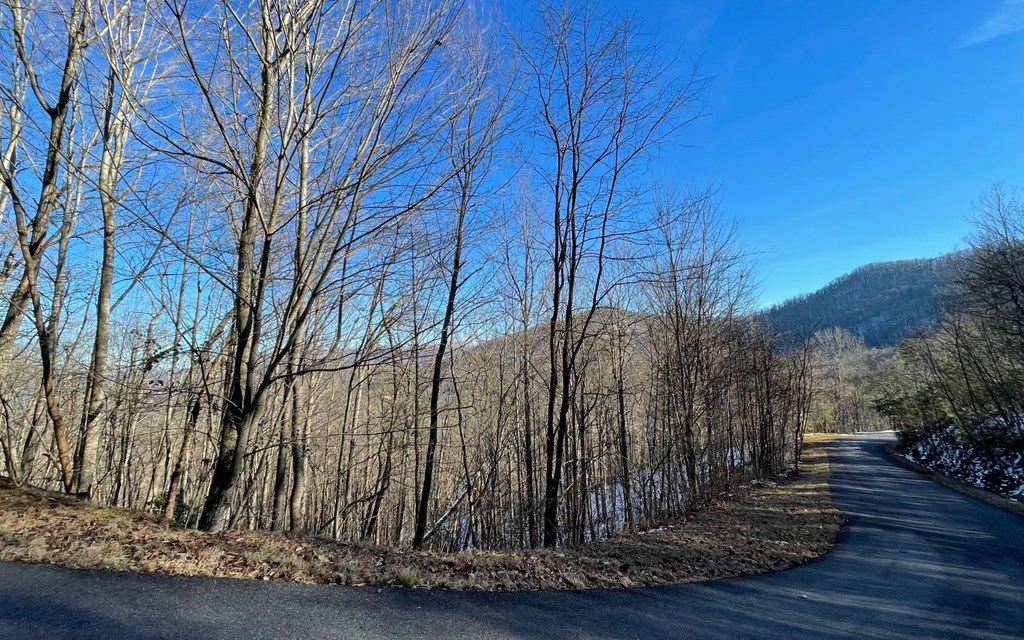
column 883, row 302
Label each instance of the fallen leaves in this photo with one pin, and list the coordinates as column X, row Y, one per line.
column 765, row 527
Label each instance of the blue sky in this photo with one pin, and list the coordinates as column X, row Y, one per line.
column 844, row 132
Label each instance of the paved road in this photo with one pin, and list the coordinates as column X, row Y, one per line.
column 917, row 560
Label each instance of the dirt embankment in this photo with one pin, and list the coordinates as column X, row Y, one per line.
column 763, row 527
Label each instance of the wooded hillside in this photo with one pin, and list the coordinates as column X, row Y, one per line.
column 882, row 302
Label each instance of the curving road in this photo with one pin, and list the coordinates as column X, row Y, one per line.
column 917, row 560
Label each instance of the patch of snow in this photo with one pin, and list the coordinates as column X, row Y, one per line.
column 996, row 469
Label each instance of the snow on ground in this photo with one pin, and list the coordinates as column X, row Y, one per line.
column 997, row 469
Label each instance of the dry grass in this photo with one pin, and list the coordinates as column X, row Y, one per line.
column 764, row 528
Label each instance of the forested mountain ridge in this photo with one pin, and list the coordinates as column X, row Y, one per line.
column 883, row 302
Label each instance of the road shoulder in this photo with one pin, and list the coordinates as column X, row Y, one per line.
column 991, row 498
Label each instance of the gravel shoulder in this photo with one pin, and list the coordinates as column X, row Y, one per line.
column 760, row 528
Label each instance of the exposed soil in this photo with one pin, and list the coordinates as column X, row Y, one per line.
column 765, row 526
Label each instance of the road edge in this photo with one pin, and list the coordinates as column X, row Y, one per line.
column 993, row 499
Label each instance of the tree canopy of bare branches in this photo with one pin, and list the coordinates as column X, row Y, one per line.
column 388, row 271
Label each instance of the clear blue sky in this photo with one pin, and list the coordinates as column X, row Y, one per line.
column 844, row 132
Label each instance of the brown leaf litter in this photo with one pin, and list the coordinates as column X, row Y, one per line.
column 766, row 526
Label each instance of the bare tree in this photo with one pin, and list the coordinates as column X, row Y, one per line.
column 474, row 130
column 361, row 142
column 127, row 46
column 54, row 83
column 603, row 101
column 266, row 255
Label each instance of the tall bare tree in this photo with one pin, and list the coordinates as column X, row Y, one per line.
column 52, row 83
column 603, row 99
column 476, row 125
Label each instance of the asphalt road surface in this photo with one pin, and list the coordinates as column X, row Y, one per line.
column 917, row 560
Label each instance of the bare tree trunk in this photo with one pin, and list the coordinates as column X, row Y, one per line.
column 627, row 494
column 436, row 380
column 85, row 457
column 473, row 133
column 245, row 403
column 300, row 444
column 279, row 513
column 174, row 491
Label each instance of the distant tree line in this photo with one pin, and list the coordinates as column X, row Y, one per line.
column 844, row 374
column 384, row 271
